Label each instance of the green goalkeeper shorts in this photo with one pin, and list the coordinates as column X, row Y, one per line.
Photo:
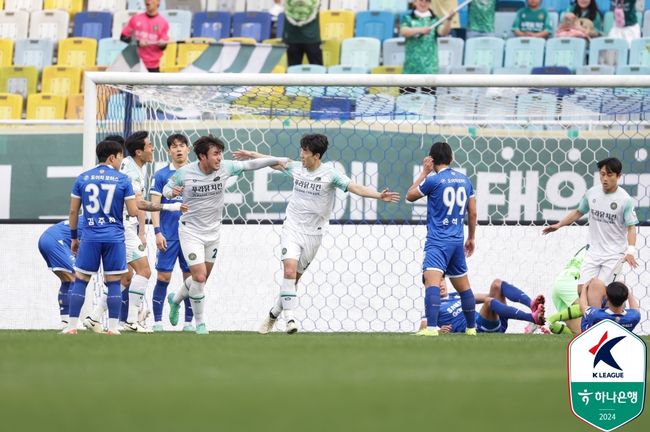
column 564, row 292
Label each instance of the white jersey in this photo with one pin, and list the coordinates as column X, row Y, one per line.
column 609, row 216
column 137, row 176
column 313, row 196
column 203, row 193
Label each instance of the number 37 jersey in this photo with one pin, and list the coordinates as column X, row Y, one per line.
column 102, row 191
column 448, row 193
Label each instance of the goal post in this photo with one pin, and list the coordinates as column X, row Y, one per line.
column 529, row 143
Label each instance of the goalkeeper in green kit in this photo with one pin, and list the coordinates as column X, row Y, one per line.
column 564, row 295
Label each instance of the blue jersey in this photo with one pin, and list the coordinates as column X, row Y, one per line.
column 61, row 230
column 451, row 313
column 168, row 219
column 102, row 191
column 448, row 193
column 628, row 319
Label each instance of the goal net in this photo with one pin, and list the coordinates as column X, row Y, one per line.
column 528, row 143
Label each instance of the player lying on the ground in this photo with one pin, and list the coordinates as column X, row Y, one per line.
column 616, row 294
column 495, row 312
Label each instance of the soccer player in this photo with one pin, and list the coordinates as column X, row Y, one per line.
column 54, row 246
column 165, row 226
column 564, row 294
column 308, row 212
column 616, row 294
column 202, row 185
column 103, row 192
column 450, row 201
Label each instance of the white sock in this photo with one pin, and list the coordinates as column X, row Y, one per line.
column 184, row 291
column 136, row 292
column 288, row 298
column 65, row 318
column 112, row 324
column 276, row 310
column 197, row 298
column 101, row 307
column 72, row 324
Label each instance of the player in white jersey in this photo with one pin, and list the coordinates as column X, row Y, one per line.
column 308, row 213
column 202, row 185
column 612, row 226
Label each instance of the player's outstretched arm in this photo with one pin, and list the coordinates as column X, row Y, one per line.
column 631, row 247
column 414, row 194
column 573, row 216
column 369, row 192
column 278, row 163
column 158, row 207
column 73, row 218
column 246, row 155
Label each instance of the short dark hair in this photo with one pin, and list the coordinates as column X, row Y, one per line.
column 107, row 148
column 315, row 143
column 203, row 144
column 118, row 139
column 611, row 165
column 617, row 293
column 135, row 142
column 441, row 153
column 173, row 137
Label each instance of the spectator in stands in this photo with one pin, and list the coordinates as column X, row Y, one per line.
column 532, row 21
column 626, row 25
column 150, row 31
column 302, row 31
column 480, row 20
column 421, row 48
column 586, row 18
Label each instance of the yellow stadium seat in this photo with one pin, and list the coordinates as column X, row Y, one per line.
column 277, row 106
column 336, row 24
column 393, row 91
column 11, row 106
column 70, row 6
column 75, row 109
column 77, row 51
column 387, row 70
column 331, row 49
column 42, row 106
column 61, row 80
column 273, row 41
column 242, row 40
column 6, row 52
column 18, row 79
column 169, row 56
column 2, row 4
column 191, row 50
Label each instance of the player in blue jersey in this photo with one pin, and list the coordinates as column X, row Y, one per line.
column 103, row 192
column 165, row 225
column 54, row 246
column 616, row 294
column 451, row 203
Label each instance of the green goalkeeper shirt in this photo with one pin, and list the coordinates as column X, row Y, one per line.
column 481, row 16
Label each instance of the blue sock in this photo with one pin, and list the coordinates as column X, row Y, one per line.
column 509, row 312
column 64, row 298
column 124, row 311
column 159, row 294
column 189, row 312
column 468, row 304
column 514, row 294
column 114, row 299
column 77, row 297
column 432, row 305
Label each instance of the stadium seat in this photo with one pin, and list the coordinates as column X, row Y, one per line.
column 450, row 53
column 554, row 18
column 140, row 6
column 393, row 51
column 211, row 24
column 495, row 107
column 336, row 24
column 595, row 70
column 513, row 5
column 455, row 107
column 13, row 25
column 107, row 50
column 646, row 24
column 26, row 5
column 96, row 25
column 580, row 108
column 568, row 52
column 301, row 90
column 241, row 40
column 75, row 108
column 192, row 49
column 61, row 80
column 632, row 70
column 34, row 52
column 375, row 24
column 331, row 49
column 360, row 51
column 180, row 23
column 415, row 106
column 256, row 25
column 79, row 52
column 331, row 108
column 484, row 51
column 396, row 70
column 395, row 6
column 503, row 24
column 393, row 91
column 640, row 52
column 116, row 106
column 608, row 51
column 120, row 20
column 106, row 5
column 49, row 24
column 6, row 52
column 43, row 106
column 348, row 92
column 72, row 7
column 376, row 106
column 279, row 25
column 621, row 108
column 258, row 5
column 524, row 52
column 169, row 56
column 554, row 70
column 608, row 21
column 536, row 106
column 20, row 80
column 11, row 106
column 511, row 70
column 171, row 69
column 193, row 6
column 355, row 5
column 231, row 6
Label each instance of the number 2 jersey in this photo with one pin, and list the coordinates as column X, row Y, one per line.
column 102, row 191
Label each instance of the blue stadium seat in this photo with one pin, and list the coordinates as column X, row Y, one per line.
column 361, row 52
column 595, row 70
column 180, row 24
column 331, row 108
column 511, row 70
column 375, row 24
column 107, row 50
column 495, row 107
column 279, row 27
column 115, row 110
column 503, row 23
column 450, row 53
column 393, row 51
column 349, row 92
column 395, row 6
column 640, row 52
column 484, row 51
column 622, row 108
column 95, row 25
column 524, row 52
column 580, row 107
column 34, row 52
column 554, row 70
column 305, row 91
column 415, row 106
column 632, row 70
column 256, row 25
column 568, row 52
column 536, row 106
column 608, row 51
column 211, row 24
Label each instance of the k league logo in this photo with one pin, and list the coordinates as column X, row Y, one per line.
column 607, row 375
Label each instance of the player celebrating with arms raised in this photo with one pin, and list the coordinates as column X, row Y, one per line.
column 450, row 200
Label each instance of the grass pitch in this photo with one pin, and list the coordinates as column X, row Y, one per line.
column 304, row 382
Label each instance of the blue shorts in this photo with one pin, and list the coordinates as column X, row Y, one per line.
column 111, row 255
column 448, row 258
column 165, row 260
column 56, row 253
column 487, row 326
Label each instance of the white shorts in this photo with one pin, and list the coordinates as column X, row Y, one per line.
column 134, row 247
column 300, row 247
column 199, row 248
column 628, row 33
column 597, row 268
